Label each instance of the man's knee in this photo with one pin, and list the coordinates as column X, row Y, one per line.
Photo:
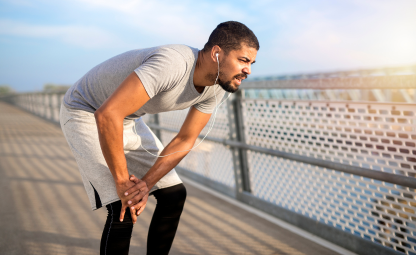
column 113, row 216
column 171, row 196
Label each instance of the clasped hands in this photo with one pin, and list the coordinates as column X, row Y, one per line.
column 133, row 193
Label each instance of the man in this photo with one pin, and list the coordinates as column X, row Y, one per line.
column 100, row 118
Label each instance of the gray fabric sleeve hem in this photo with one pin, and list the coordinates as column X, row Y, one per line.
column 144, row 83
column 203, row 110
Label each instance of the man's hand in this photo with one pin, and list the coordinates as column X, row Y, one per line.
column 137, row 196
column 121, row 188
column 134, row 186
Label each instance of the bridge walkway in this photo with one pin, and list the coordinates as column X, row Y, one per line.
column 44, row 209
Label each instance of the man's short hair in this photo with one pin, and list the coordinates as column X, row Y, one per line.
column 230, row 36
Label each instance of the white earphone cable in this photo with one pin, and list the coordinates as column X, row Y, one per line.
column 210, row 128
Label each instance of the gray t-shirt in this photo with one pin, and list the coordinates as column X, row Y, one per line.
column 165, row 71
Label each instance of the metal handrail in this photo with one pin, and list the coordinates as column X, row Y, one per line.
column 398, row 70
column 368, row 82
column 364, row 172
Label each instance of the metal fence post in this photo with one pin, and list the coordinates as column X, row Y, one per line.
column 29, row 99
column 51, row 107
column 240, row 159
column 44, row 105
column 235, row 151
column 36, row 104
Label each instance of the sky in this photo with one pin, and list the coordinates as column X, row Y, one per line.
column 49, row 41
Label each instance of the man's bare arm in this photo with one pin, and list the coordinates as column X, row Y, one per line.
column 194, row 123
column 126, row 99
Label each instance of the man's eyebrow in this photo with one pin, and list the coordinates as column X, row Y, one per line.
column 247, row 59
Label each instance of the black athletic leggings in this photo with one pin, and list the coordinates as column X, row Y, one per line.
column 116, row 235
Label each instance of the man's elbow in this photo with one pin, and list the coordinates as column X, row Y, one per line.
column 98, row 115
column 102, row 117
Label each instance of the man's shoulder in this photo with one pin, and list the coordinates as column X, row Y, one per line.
column 186, row 51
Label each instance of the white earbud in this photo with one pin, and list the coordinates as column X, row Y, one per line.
column 216, row 54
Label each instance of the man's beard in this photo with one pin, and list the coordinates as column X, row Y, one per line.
column 226, row 85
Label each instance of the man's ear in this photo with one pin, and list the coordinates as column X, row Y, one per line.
column 215, row 53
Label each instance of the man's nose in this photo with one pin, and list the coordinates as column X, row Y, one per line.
column 247, row 69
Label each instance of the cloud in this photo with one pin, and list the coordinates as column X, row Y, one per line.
column 182, row 20
column 364, row 34
column 82, row 36
column 20, row 2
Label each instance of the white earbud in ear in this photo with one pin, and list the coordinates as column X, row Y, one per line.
column 216, row 54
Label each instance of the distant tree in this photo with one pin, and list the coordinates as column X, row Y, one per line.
column 6, row 89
